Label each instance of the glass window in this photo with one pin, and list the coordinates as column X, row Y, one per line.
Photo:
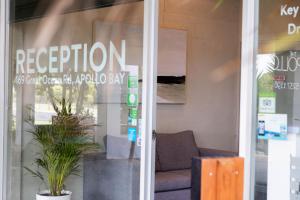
column 75, row 77
column 278, row 96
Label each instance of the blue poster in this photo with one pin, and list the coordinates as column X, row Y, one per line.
column 132, row 134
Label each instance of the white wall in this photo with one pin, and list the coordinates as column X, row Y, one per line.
column 212, row 88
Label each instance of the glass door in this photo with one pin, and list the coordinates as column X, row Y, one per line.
column 80, row 98
column 278, row 83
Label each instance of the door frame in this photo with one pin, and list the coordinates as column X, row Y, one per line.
column 150, row 41
column 4, row 50
column 248, row 90
column 151, row 10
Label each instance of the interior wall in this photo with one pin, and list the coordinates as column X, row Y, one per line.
column 213, row 56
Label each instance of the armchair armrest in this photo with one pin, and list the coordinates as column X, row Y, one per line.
column 205, row 152
column 196, row 178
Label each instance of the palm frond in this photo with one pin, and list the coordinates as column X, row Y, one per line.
column 35, row 173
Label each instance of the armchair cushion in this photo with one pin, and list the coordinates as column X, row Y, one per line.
column 175, row 151
column 172, row 180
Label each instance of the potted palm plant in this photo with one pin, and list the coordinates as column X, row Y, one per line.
column 61, row 146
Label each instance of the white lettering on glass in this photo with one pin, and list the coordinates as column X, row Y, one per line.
column 293, row 29
column 53, row 59
column 100, row 67
column 96, row 57
column 30, row 61
column 65, row 54
column 42, row 69
column 286, row 10
column 85, row 57
column 76, row 48
column 113, row 52
column 286, row 63
column 20, row 57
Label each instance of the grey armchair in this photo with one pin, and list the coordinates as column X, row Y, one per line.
column 178, row 166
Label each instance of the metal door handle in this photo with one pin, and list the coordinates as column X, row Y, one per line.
column 154, row 135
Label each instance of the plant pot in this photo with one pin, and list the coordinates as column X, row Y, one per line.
column 43, row 196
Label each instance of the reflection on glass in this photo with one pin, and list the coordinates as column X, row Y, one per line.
column 75, row 103
column 278, row 94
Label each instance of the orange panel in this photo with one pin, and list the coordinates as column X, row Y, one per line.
column 222, row 179
column 209, row 179
column 226, row 179
column 239, row 165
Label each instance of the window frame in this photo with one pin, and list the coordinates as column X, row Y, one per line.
column 4, row 53
column 248, row 89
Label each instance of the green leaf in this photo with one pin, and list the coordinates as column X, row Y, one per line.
column 35, row 173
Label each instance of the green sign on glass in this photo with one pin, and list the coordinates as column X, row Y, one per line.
column 133, row 113
column 132, row 100
column 133, row 82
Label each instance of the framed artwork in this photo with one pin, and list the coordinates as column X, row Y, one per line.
column 172, row 55
column 171, row 68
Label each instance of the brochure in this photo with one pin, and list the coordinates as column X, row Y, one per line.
column 272, row 126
